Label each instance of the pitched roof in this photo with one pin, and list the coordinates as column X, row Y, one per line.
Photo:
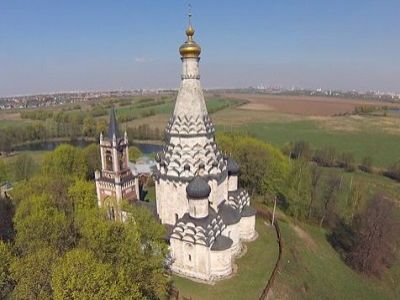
column 113, row 125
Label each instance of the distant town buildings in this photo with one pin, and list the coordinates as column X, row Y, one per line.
column 54, row 99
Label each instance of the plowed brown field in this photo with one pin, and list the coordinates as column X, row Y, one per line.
column 304, row 105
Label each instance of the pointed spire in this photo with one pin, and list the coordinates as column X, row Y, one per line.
column 113, row 129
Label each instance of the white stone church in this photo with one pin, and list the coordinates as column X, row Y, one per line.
column 197, row 193
column 197, row 189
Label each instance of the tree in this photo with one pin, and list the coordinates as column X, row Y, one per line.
column 315, row 173
column 355, row 198
column 329, row 197
column 135, row 248
column 6, row 214
column 376, row 235
column 272, row 169
column 5, row 141
column 3, row 172
column 65, row 160
column 89, row 126
column 299, row 189
column 92, row 158
column 79, row 275
column 367, row 164
column 40, row 224
column 32, row 274
column 325, row 157
column 23, row 167
column 134, row 153
column 301, row 149
column 6, row 281
column 348, row 162
column 82, row 195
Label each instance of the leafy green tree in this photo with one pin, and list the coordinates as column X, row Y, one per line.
column 54, row 187
column 79, row 275
column 23, row 167
column 40, row 224
column 134, row 153
column 315, row 173
column 92, row 158
column 355, row 199
column 101, row 126
column 299, row 189
column 272, row 169
column 82, row 194
column 89, row 126
column 32, row 274
column 6, row 281
column 65, row 160
column 135, row 248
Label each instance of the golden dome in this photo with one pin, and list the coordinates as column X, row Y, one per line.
column 190, row 48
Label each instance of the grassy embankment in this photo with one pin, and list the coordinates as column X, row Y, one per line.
column 311, row 269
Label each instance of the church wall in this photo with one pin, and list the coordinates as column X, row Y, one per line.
column 233, row 232
column 198, row 208
column 190, row 259
column 247, row 227
column 221, row 262
column 232, row 183
column 172, row 201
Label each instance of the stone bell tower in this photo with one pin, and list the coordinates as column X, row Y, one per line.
column 115, row 182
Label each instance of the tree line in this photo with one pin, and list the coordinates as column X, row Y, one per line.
column 328, row 156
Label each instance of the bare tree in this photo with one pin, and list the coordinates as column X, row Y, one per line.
column 315, row 179
column 329, row 198
column 376, row 233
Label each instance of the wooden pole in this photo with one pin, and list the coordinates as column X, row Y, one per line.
column 273, row 212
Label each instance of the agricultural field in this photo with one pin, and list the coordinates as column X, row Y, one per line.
column 280, row 120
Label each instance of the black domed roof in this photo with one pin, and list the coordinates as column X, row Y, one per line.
column 233, row 167
column 198, row 188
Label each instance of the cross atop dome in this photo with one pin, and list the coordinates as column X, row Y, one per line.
column 190, row 49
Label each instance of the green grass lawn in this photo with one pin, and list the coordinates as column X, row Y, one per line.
column 383, row 147
column 254, row 270
column 311, row 269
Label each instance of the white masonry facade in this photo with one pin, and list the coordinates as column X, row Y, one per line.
column 197, row 189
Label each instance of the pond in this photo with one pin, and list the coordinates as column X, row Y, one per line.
column 51, row 145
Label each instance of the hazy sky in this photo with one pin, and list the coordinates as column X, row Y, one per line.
column 60, row 45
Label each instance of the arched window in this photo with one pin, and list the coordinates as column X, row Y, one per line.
column 109, row 161
column 121, row 159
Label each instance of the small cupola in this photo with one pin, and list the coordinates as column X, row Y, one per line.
column 233, row 172
column 198, row 191
column 233, row 167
